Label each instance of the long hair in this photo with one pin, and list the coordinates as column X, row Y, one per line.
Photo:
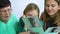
column 45, row 17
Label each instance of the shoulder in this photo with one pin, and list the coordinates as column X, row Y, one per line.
column 13, row 18
column 20, row 18
column 21, row 21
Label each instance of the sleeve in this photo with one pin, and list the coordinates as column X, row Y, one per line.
column 20, row 26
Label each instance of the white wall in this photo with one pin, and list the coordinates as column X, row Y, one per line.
column 18, row 6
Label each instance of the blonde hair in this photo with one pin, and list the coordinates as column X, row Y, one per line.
column 31, row 6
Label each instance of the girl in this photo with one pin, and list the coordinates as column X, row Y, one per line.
column 51, row 14
column 31, row 10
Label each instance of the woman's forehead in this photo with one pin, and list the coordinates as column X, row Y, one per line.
column 51, row 2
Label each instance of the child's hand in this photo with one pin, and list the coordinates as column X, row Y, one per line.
column 25, row 28
column 25, row 32
column 24, row 16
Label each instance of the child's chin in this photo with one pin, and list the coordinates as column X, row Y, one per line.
column 7, row 18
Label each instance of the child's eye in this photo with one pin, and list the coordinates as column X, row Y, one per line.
column 2, row 11
column 9, row 9
column 29, row 15
column 47, row 5
column 53, row 5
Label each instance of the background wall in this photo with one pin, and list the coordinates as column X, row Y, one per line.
column 18, row 6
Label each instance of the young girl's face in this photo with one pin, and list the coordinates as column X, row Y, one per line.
column 51, row 7
column 32, row 13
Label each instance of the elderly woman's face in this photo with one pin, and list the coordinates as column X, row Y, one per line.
column 5, row 13
column 51, row 7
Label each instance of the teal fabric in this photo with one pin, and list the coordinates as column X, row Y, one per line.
column 21, row 25
column 13, row 26
column 41, row 23
column 9, row 27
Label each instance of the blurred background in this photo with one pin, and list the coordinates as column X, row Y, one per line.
column 18, row 6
